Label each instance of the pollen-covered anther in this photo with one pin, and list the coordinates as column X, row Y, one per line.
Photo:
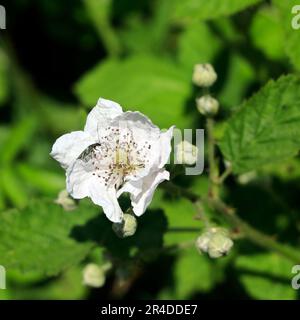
column 117, row 157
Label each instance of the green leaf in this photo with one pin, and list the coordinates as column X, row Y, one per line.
column 19, row 138
column 61, row 117
column 291, row 36
column 99, row 12
column 66, row 286
column 266, row 276
column 193, row 274
column 180, row 213
column 193, row 46
column 45, row 181
column 266, row 129
column 13, row 188
column 238, row 79
column 202, row 9
column 267, row 33
column 156, row 87
column 39, row 238
column 143, row 35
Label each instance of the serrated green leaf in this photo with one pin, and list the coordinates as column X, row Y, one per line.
column 202, row 9
column 38, row 238
column 156, row 87
column 266, row 129
column 266, row 276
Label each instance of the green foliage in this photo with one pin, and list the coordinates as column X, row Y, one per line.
column 157, row 86
column 267, row 33
column 266, row 128
column 204, row 10
column 240, row 74
column 193, row 46
column 142, row 54
column 39, row 238
column 266, row 276
column 291, row 36
column 18, row 139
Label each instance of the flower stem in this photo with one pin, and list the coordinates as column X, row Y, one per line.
column 224, row 175
column 213, row 169
column 229, row 214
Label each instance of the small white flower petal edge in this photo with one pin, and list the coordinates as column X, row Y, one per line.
column 117, row 152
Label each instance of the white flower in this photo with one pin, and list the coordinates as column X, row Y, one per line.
column 117, row 152
column 186, row 153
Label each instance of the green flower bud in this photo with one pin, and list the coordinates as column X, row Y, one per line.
column 66, row 201
column 93, row 275
column 204, row 75
column 186, row 153
column 127, row 227
column 207, row 105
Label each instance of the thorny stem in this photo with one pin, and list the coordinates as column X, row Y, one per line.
column 224, row 175
column 201, row 214
column 248, row 231
column 213, row 169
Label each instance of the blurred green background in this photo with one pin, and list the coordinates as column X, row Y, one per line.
column 56, row 59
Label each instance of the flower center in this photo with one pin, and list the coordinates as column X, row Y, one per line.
column 117, row 156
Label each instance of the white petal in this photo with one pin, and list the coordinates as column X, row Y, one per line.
column 68, row 147
column 101, row 115
column 145, row 134
column 165, row 146
column 79, row 176
column 148, row 186
column 107, row 199
column 82, row 183
column 137, row 120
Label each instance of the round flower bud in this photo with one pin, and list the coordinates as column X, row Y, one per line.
column 204, row 75
column 203, row 241
column 65, row 201
column 247, row 177
column 215, row 242
column 186, row 153
column 93, row 276
column 207, row 105
column 219, row 245
column 127, row 227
